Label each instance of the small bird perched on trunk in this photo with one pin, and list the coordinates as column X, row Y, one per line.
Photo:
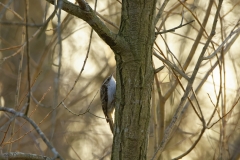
column 107, row 96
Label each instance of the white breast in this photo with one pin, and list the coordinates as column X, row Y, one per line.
column 111, row 90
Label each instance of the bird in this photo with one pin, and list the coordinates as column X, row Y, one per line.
column 107, row 97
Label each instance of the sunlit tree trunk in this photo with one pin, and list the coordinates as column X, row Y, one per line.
column 134, row 80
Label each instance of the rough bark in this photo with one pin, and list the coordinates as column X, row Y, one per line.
column 134, row 80
column 22, row 156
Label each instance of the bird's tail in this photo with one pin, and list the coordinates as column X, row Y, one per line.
column 110, row 121
column 111, row 124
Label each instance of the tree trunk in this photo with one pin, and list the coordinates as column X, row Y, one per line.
column 134, row 80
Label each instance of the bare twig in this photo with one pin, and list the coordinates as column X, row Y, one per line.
column 11, row 141
column 172, row 66
column 159, row 69
column 218, row 101
column 76, row 114
column 35, row 126
column 165, row 17
column 194, row 144
column 202, row 131
column 228, row 46
column 200, row 33
column 76, row 153
column 22, row 156
column 18, row 86
column 159, row 14
column 22, row 24
column 179, row 112
column 5, row 8
column 93, row 20
column 222, row 45
column 59, row 67
column 199, row 108
column 78, row 77
column 225, row 114
column 15, row 13
column 173, row 29
column 28, row 57
column 86, row 111
column 5, row 133
column 22, row 46
column 10, row 48
column 106, row 20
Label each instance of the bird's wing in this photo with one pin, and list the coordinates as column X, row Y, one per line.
column 104, row 100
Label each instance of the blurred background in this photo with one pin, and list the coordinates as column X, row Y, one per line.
column 70, row 64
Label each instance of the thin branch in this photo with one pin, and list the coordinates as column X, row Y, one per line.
column 5, row 8
column 208, row 73
column 5, row 133
column 200, row 33
column 158, row 125
column 222, row 45
column 23, row 45
column 96, row 115
column 15, row 13
column 86, row 111
column 106, row 20
column 93, row 20
column 169, row 50
column 37, row 102
column 22, row 24
column 10, row 48
column 39, row 31
column 164, row 18
column 59, row 67
column 218, row 101
column 76, row 153
column 159, row 14
column 75, row 82
column 173, row 29
column 225, row 114
column 202, row 131
column 171, row 89
column 10, row 120
column 158, row 69
column 180, row 110
column 199, row 108
column 226, row 49
column 172, row 66
column 22, row 156
column 23, row 108
column 193, row 146
column 79, row 114
column 18, row 86
column 35, row 126
column 189, row 99
column 28, row 57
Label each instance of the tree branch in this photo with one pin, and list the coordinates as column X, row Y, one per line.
column 172, row 66
column 86, row 13
column 181, row 110
column 159, row 14
column 173, row 29
column 38, row 130
column 222, row 45
column 22, row 156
